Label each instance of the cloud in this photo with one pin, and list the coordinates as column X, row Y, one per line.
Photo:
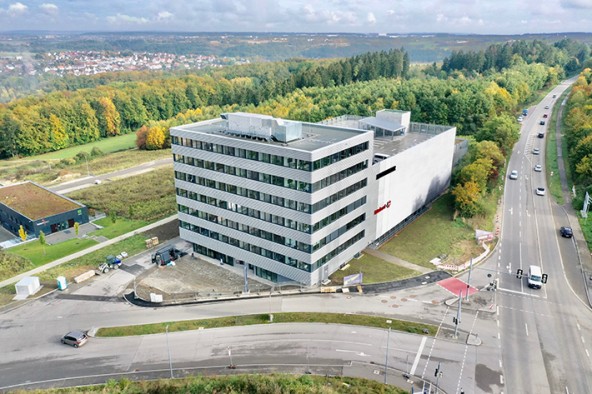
column 126, row 19
column 370, row 18
column 49, row 8
column 578, row 4
column 17, row 9
column 390, row 12
column 164, row 15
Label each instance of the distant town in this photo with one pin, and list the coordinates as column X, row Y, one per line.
column 79, row 63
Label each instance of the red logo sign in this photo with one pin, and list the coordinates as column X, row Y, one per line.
column 382, row 208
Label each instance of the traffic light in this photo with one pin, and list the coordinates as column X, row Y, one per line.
column 454, row 320
column 544, row 278
column 436, row 373
column 519, row 273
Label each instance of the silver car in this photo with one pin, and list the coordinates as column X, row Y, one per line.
column 75, row 338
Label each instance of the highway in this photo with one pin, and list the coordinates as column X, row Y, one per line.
column 545, row 335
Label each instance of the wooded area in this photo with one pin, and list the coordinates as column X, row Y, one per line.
column 478, row 92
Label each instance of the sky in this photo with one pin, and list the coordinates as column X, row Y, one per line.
column 313, row 16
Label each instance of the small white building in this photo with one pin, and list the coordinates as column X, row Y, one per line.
column 26, row 287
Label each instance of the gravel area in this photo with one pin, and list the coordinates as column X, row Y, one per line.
column 192, row 277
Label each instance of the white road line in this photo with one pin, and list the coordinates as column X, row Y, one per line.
column 497, row 310
column 418, row 356
column 566, row 390
column 497, row 321
column 501, row 379
column 518, row 292
column 587, row 353
column 583, row 340
column 499, row 336
column 500, row 363
column 578, row 326
column 526, row 327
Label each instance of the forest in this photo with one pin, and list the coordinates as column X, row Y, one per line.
column 478, row 92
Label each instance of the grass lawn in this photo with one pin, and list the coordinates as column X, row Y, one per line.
column 246, row 320
column 434, row 234
column 375, row 270
column 107, row 145
column 121, row 226
column 39, row 254
column 552, row 168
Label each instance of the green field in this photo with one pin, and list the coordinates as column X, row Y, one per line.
column 121, row 226
column 107, row 145
column 39, row 254
column 375, row 270
column 434, row 234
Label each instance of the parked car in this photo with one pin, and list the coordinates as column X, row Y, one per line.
column 542, row 122
column 75, row 338
column 520, row 119
column 514, row 174
column 536, row 151
column 538, row 168
column 566, row 232
column 540, row 191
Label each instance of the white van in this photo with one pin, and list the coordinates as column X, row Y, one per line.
column 535, row 277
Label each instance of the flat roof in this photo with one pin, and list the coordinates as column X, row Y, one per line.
column 34, row 201
column 314, row 136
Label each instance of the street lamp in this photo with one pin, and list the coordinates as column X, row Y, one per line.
column 166, row 330
column 387, row 350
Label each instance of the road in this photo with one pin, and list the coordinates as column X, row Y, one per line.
column 82, row 183
column 545, row 334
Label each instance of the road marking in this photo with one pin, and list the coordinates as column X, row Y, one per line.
column 497, row 321
column 418, row 356
column 587, row 353
column 518, row 292
column 497, row 310
column 500, row 363
column 361, row 354
column 462, row 366
column 583, row 340
column 566, row 390
column 499, row 336
column 526, row 327
column 434, row 342
column 578, row 326
column 501, row 379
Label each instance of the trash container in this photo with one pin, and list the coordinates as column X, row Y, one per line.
column 62, row 284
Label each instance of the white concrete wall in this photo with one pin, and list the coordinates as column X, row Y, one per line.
column 422, row 172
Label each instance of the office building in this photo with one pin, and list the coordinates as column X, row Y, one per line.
column 294, row 200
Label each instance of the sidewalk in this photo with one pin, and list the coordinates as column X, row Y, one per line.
column 73, row 256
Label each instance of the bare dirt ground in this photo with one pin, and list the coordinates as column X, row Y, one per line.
column 194, row 278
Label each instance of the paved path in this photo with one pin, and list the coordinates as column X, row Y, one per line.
column 73, row 256
column 397, row 261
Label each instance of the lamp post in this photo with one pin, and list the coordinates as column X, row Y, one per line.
column 166, row 329
column 388, row 337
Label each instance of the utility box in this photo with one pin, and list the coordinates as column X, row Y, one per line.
column 62, row 283
column 27, row 286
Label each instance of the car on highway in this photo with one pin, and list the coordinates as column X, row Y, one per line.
column 75, row 338
column 542, row 122
column 566, row 232
column 541, row 135
column 545, row 115
column 546, row 107
column 536, row 151
column 540, row 191
column 538, row 168
column 514, row 174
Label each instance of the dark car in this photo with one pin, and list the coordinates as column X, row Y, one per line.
column 75, row 338
column 542, row 122
column 545, row 115
column 541, row 135
column 566, row 232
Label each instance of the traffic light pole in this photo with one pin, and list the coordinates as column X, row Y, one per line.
column 457, row 319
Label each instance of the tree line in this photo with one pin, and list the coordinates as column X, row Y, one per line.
column 35, row 125
column 578, row 134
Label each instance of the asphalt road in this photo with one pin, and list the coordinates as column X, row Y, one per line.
column 544, row 334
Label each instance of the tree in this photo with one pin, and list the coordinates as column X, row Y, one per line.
column 42, row 240
column 501, row 129
column 22, row 233
column 155, row 137
column 466, row 198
